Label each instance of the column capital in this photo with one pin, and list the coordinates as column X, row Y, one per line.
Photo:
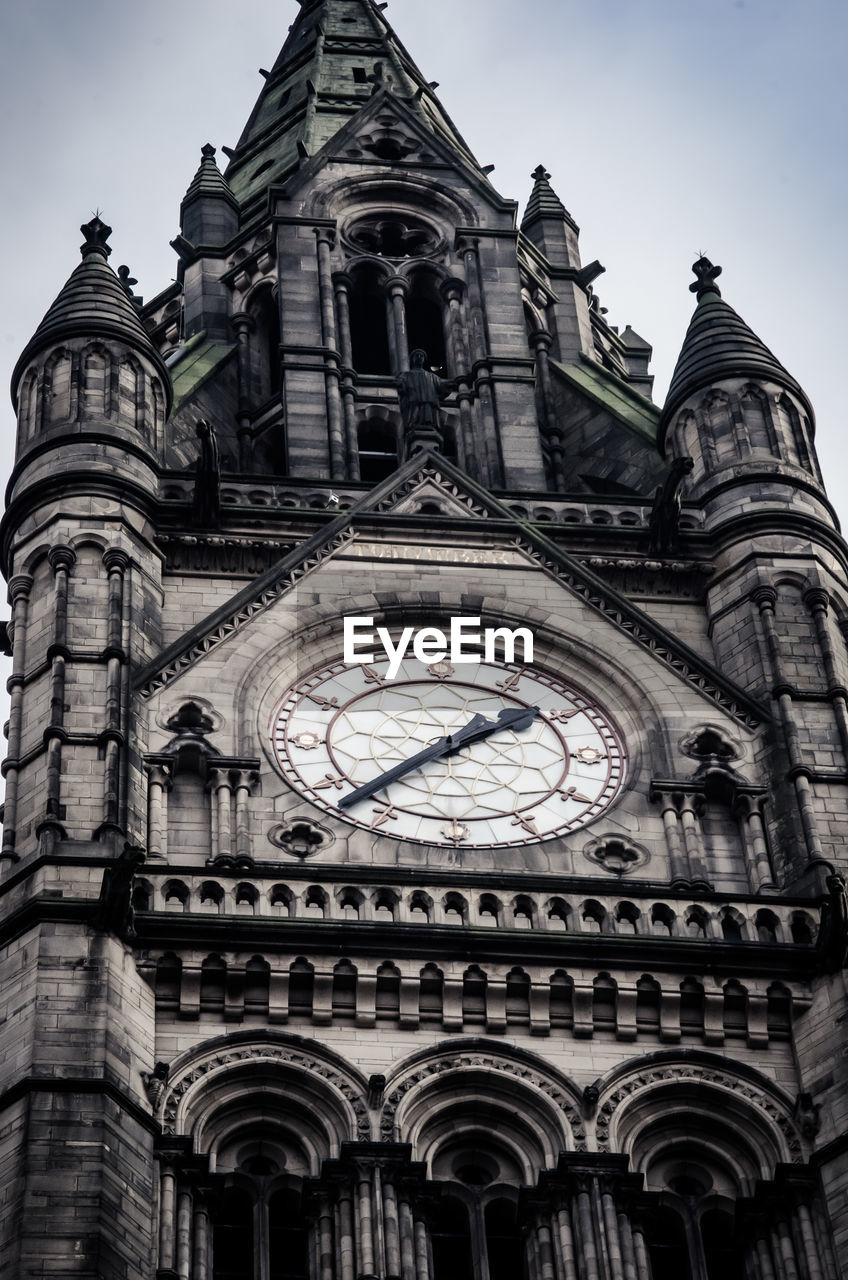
column 61, row 557
column 115, row 558
column 20, row 585
column 764, row 597
column 817, row 600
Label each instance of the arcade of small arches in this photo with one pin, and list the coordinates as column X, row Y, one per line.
column 278, row 1160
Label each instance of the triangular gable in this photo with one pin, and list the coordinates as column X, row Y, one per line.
column 336, row 149
column 399, row 496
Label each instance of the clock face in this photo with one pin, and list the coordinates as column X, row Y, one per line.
column 343, row 726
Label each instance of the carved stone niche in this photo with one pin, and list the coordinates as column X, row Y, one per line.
column 301, row 837
column 616, row 854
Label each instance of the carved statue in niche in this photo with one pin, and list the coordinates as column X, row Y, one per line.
column 420, row 392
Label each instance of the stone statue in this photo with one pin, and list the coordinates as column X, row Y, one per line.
column 665, row 514
column 420, row 392
column 207, row 484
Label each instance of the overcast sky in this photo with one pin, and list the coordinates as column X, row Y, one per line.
column 669, row 126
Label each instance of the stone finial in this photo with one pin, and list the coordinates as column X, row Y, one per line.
column 127, row 281
column 207, row 151
column 540, row 174
column 706, row 281
column 96, row 234
column 380, row 79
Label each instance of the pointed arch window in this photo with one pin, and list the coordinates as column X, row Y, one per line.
column 265, row 345
column 369, row 334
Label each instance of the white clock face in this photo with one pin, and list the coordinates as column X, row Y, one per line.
column 344, row 726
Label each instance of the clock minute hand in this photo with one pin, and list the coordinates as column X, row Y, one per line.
column 476, row 730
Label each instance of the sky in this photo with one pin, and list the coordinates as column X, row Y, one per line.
column 670, row 128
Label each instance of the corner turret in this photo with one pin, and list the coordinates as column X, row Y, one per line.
column 735, row 409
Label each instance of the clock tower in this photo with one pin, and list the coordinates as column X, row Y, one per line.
column 508, row 941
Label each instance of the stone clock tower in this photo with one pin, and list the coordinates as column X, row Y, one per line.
column 558, row 994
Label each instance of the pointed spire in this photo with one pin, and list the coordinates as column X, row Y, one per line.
column 93, row 303
column 337, row 56
column 209, row 210
column 208, row 180
column 718, row 345
column 549, row 225
column 544, row 201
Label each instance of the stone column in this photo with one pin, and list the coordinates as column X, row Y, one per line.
column 678, row 860
column 817, row 602
column 19, row 590
column 243, row 326
column 467, row 450
column 396, row 290
column 244, row 781
column 765, row 599
column 325, row 238
column 342, row 285
column 540, row 344
column 221, row 828
column 158, row 785
column 748, row 810
column 112, row 738
column 61, row 560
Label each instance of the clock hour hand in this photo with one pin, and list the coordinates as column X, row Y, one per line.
column 477, row 729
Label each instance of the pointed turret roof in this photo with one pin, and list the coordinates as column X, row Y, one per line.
column 338, row 54
column 544, row 201
column 718, row 345
column 208, row 181
column 93, row 303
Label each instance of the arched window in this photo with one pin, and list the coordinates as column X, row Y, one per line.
column 424, row 319
column 504, row 1245
column 265, row 345
column 369, row 336
column 667, row 1247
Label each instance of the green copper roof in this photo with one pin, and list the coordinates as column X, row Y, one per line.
column 192, row 364
column 337, row 55
column 93, row 303
column 718, row 345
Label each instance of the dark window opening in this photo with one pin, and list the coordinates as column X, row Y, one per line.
column 287, row 1238
column 503, row 1240
column 368, row 332
column 722, row 1253
column 265, row 346
column 667, row 1247
column 451, row 1239
column 360, row 75
column 378, row 456
column 232, row 1239
column 424, row 323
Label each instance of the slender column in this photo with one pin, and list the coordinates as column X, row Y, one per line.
column 342, row 284
column 326, row 1254
column 628, row 1255
column 764, row 1259
column 783, row 1249
column 116, row 563
column 422, row 1253
column 61, row 559
column 243, row 326
column 540, row 342
column 565, row 1237
column 200, row 1248
column 808, row 1236
column 817, row 602
column 587, row 1234
column 332, row 376
column 396, row 290
column 167, row 1218
column 221, row 820
column 678, row 861
column 184, row 1225
column 366, row 1224
column 406, row 1227
column 347, row 1242
column 640, row 1251
column 392, row 1231
column 244, row 782
column 460, row 368
column 468, row 246
column 158, row 786
column 692, row 838
column 546, row 1255
column 765, row 599
column 749, row 813
column 19, row 588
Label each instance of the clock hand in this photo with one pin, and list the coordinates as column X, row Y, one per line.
column 477, row 729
